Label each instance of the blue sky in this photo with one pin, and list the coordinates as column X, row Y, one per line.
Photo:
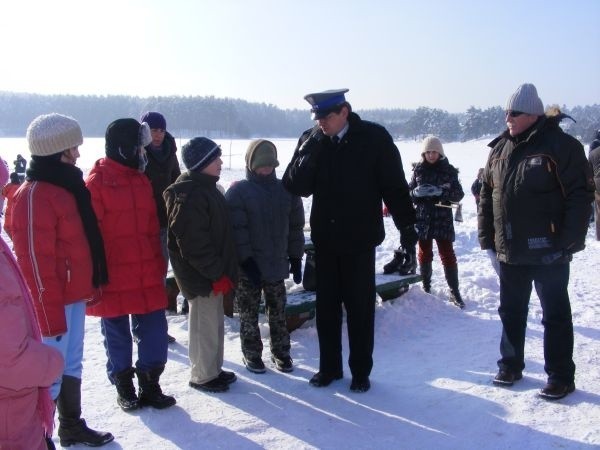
column 389, row 53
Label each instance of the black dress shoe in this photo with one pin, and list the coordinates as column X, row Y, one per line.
column 322, row 379
column 360, row 384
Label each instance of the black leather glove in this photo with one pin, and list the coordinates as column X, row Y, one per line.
column 252, row 271
column 296, row 269
column 408, row 237
column 312, row 143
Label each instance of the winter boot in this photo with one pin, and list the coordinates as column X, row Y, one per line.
column 452, row 279
column 150, row 391
column 72, row 428
column 127, row 399
column 425, row 269
column 395, row 263
column 409, row 266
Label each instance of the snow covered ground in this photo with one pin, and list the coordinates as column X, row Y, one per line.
column 431, row 381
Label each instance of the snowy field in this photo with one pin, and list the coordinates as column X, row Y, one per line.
column 433, row 363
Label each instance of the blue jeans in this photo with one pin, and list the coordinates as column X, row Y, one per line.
column 70, row 344
column 550, row 282
column 150, row 331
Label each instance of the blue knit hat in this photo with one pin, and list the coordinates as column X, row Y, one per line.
column 155, row 120
column 526, row 100
column 199, row 153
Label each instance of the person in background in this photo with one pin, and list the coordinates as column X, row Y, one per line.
column 476, row 186
column 162, row 170
column 349, row 166
column 135, row 299
column 61, row 253
column 203, row 257
column 8, row 192
column 594, row 157
column 20, row 167
column 268, row 224
column 534, row 212
column 435, row 182
column 4, row 170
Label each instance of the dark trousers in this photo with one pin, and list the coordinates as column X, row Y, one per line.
column 551, row 282
column 347, row 280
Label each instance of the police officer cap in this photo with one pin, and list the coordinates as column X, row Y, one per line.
column 322, row 103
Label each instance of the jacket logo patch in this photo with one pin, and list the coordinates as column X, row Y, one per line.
column 538, row 242
column 536, row 161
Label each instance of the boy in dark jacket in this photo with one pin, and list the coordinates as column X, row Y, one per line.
column 202, row 251
column 268, row 225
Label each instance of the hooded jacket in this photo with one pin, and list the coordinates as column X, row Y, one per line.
column 200, row 237
column 536, row 196
column 268, row 224
column 123, row 202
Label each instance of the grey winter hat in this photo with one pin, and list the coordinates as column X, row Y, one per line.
column 261, row 153
column 526, row 100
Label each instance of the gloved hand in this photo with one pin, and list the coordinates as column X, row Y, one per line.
column 296, row 269
column 427, row 190
column 252, row 271
column 408, row 237
column 312, row 143
column 222, row 286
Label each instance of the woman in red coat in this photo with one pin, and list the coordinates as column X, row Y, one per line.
column 60, row 251
column 126, row 211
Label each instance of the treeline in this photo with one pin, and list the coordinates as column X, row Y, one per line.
column 236, row 118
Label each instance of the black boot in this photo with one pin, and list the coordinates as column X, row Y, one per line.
column 72, row 428
column 425, row 269
column 409, row 266
column 452, row 279
column 395, row 263
column 150, row 391
column 127, row 399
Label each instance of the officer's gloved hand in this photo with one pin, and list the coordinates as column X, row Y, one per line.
column 252, row 271
column 408, row 237
column 296, row 269
column 312, row 143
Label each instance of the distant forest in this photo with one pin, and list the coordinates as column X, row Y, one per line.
column 236, row 118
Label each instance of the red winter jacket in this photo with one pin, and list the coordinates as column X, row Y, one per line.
column 123, row 202
column 52, row 251
column 8, row 192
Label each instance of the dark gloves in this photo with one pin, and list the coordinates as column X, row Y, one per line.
column 252, row 271
column 408, row 237
column 222, row 286
column 311, row 144
column 296, row 269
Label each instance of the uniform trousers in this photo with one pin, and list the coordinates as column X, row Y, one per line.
column 348, row 280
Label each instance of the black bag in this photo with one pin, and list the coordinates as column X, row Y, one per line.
column 309, row 279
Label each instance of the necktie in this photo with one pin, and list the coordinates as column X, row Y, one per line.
column 335, row 139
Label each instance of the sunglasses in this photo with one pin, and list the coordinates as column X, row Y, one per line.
column 514, row 113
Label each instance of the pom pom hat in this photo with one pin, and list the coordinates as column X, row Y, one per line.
column 199, row 153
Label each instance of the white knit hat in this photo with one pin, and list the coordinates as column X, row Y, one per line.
column 526, row 100
column 53, row 133
column 433, row 144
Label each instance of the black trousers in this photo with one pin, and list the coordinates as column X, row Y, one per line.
column 348, row 280
column 551, row 282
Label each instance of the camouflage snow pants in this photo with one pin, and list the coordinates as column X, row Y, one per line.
column 248, row 298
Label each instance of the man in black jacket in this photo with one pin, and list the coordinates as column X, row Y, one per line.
column 534, row 211
column 349, row 166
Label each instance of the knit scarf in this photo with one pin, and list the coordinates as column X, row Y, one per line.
column 69, row 177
